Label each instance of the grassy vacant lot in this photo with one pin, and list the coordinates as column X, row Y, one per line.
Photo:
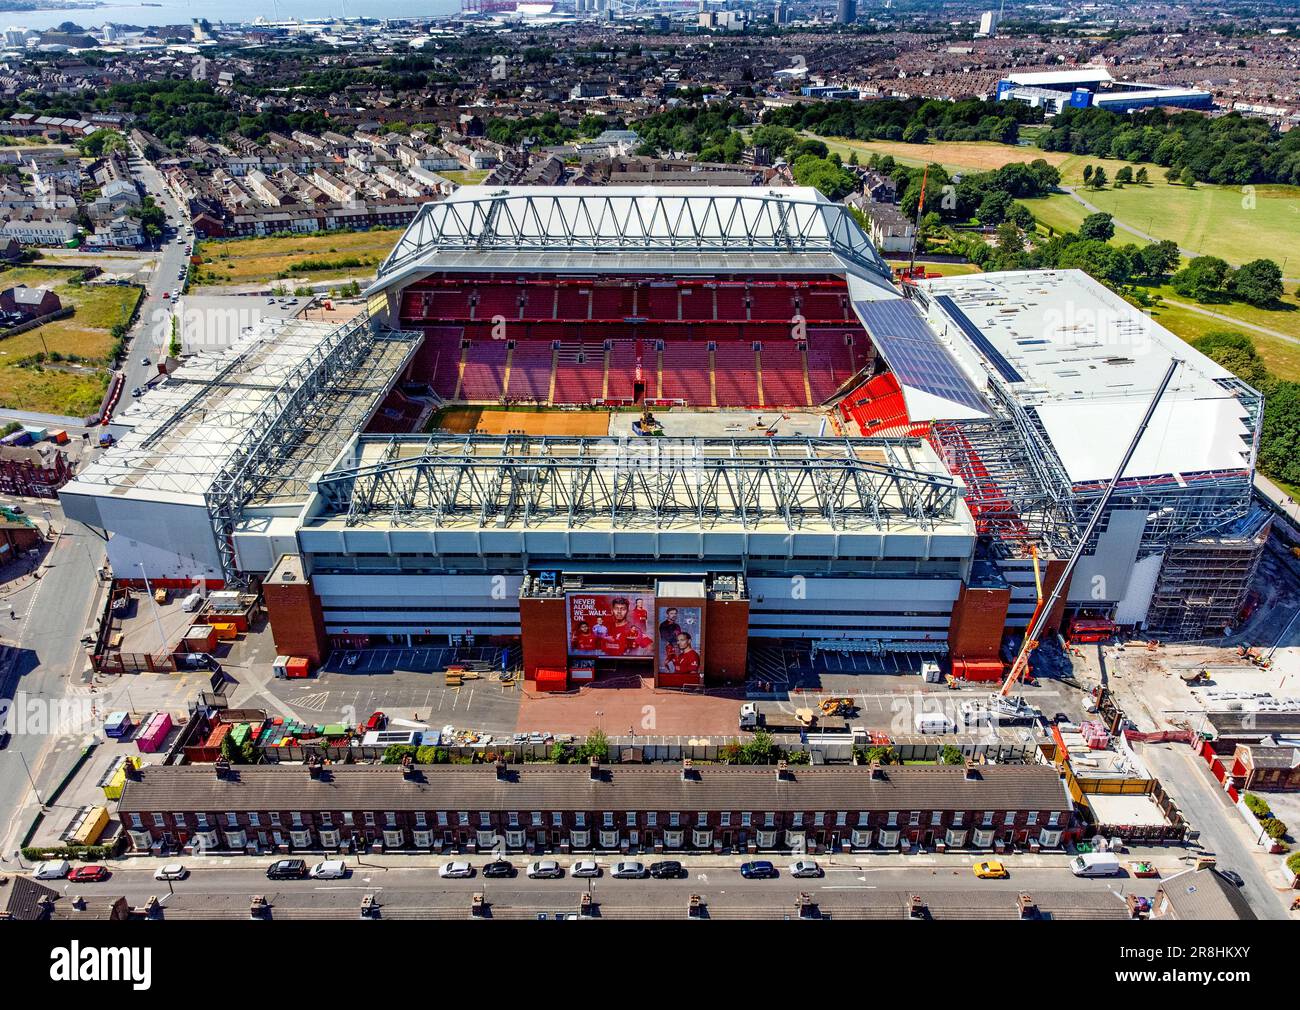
column 72, row 387
column 467, row 177
column 299, row 257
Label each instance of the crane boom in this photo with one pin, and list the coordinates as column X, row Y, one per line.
column 1044, row 607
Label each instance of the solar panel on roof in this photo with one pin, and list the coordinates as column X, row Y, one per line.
column 991, row 353
column 914, row 353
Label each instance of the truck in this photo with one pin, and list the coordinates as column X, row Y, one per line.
column 1095, row 864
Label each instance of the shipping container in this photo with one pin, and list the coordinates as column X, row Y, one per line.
column 118, row 724
column 59, row 437
column 17, row 438
column 154, row 733
column 225, row 631
column 297, row 668
column 280, row 667
column 115, row 777
column 91, row 827
column 34, row 433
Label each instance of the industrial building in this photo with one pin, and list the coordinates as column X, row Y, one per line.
column 1084, row 87
column 917, row 450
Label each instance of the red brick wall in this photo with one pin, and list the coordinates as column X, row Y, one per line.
column 978, row 619
column 543, row 634
column 297, row 622
column 726, row 640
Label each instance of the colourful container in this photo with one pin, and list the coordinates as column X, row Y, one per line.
column 225, row 632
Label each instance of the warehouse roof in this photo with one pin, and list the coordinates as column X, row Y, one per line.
column 625, row 787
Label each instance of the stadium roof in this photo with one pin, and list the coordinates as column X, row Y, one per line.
column 679, row 228
column 1087, row 363
column 1061, row 78
column 520, row 481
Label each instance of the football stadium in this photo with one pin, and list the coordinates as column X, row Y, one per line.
column 637, row 431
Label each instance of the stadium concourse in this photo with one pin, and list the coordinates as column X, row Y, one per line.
column 633, row 430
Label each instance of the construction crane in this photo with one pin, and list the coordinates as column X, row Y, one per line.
column 1044, row 607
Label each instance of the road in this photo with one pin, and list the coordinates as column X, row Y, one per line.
column 152, row 332
column 229, row 888
column 1207, row 808
column 42, row 667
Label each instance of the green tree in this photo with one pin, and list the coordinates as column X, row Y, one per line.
column 1087, row 174
column 1258, row 282
column 1098, row 180
column 1203, row 279
column 950, row 755
column 1236, row 352
column 595, row 746
column 1141, row 177
column 1187, row 177
column 1123, row 176
column 1009, row 240
column 1100, row 227
column 1159, row 258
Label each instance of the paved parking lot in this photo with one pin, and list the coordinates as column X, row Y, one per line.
column 402, row 684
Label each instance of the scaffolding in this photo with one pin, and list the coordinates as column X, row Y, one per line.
column 1203, row 582
column 787, row 483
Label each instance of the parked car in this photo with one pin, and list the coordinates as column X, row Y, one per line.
column 805, row 868
column 585, row 868
column 146, row 362
column 499, row 868
column 137, row 391
column 89, row 874
column 545, row 869
column 329, row 869
column 171, row 871
column 629, row 869
column 287, row 869
column 4, row 738
column 667, row 869
column 51, row 869
column 759, row 869
column 376, row 721
column 455, row 870
column 1233, row 877
column 990, row 869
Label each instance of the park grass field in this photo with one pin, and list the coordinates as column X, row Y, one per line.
column 1235, row 223
column 257, row 260
column 71, row 388
column 1281, row 356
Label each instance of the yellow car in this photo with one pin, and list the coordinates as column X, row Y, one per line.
column 990, row 870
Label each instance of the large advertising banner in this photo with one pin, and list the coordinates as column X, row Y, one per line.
column 611, row 624
column 680, row 642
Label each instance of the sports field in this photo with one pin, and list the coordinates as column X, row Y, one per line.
column 532, row 422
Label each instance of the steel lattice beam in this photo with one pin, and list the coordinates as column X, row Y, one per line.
column 792, row 482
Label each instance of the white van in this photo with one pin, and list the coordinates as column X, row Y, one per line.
column 330, row 869
column 934, row 722
column 1095, row 864
column 51, row 869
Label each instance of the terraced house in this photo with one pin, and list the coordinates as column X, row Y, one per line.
column 560, row 808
